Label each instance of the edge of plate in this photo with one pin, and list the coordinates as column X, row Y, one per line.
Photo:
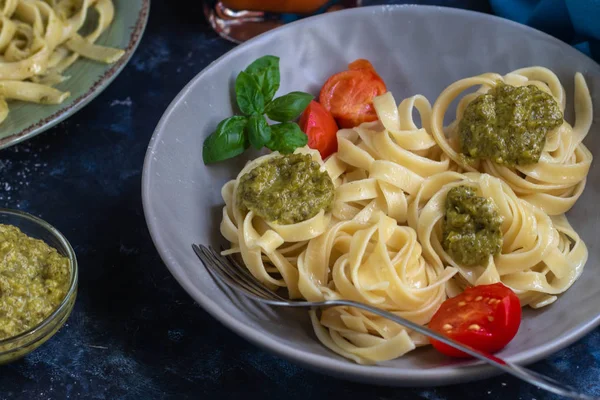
column 97, row 88
column 386, row 375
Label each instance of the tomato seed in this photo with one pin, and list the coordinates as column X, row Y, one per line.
column 478, row 298
column 462, row 303
column 474, row 327
column 447, row 327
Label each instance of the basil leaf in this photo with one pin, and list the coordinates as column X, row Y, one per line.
column 228, row 141
column 289, row 107
column 286, row 137
column 259, row 131
column 266, row 72
column 248, row 94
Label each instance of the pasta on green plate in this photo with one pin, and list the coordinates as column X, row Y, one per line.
column 39, row 40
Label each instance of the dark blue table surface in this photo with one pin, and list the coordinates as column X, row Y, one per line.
column 134, row 333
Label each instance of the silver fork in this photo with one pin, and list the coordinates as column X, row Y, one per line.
column 226, row 269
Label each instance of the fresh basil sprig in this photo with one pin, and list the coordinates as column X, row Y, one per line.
column 255, row 88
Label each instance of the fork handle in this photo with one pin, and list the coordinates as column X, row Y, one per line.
column 525, row 374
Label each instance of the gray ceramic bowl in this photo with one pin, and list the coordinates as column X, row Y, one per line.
column 416, row 50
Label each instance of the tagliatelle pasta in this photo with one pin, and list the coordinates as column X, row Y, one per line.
column 540, row 258
column 384, row 162
column 558, row 179
column 382, row 241
column 40, row 39
column 376, row 262
column 268, row 248
column 374, row 179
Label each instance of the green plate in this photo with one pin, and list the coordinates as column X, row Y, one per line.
column 88, row 78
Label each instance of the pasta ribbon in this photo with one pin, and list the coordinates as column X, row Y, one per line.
column 540, row 257
column 554, row 183
column 269, row 251
column 385, row 162
column 379, row 263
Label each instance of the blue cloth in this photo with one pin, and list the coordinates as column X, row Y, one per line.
column 573, row 21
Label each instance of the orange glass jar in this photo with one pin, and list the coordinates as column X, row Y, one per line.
column 240, row 20
column 276, row 6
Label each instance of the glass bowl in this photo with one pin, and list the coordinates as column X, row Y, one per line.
column 16, row 347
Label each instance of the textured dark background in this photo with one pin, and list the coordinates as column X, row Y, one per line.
column 134, row 333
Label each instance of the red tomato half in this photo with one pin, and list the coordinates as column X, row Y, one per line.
column 484, row 317
column 348, row 95
column 321, row 129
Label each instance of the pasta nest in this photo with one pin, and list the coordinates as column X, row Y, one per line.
column 554, row 183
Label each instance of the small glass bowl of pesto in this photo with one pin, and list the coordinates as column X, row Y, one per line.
column 38, row 271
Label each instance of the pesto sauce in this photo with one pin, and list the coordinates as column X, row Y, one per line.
column 471, row 231
column 508, row 125
column 34, row 279
column 287, row 189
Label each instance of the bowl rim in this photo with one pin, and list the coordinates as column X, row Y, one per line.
column 67, row 248
column 385, row 374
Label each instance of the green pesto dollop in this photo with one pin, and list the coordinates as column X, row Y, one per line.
column 508, row 125
column 286, row 189
column 471, row 231
column 34, row 279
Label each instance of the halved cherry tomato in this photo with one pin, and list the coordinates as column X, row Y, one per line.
column 484, row 317
column 321, row 129
column 348, row 95
column 362, row 63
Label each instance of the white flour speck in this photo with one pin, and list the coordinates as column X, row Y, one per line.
column 127, row 102
column 16, row 174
